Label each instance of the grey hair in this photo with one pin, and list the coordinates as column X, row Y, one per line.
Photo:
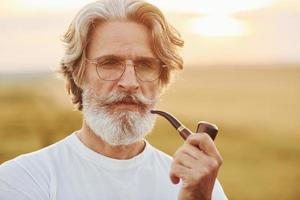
column 165, row 40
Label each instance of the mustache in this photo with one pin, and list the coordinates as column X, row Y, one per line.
column 120, row 97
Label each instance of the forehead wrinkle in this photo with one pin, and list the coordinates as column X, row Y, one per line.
column 131, row 50
column 117, row 38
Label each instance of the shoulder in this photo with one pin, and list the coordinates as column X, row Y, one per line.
column 16, row 181
column 21, row 178
column 28, row 176
column 40, row 158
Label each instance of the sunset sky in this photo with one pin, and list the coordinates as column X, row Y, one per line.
column 216, row 32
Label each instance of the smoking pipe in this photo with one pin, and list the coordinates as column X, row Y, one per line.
column 203, row 127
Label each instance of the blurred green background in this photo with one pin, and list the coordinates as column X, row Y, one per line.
column 256, row 109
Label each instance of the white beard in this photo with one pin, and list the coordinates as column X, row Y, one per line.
column 117, row 127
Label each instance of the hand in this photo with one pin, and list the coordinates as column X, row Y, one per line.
column 196, row 163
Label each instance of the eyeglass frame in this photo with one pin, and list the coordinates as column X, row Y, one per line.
column 94, row 61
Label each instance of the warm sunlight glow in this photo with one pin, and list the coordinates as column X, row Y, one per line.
column 218, row 20
column 218, row 26
column 187, row 6
column 211, row 6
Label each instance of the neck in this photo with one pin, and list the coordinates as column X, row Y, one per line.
column 95, row 143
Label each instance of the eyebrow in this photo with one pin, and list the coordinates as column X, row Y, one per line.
column 119, row 57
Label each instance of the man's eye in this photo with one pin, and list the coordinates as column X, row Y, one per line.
column 145, row 64
column 110, row 62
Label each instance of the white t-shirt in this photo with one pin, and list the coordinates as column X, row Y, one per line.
column 68, row 170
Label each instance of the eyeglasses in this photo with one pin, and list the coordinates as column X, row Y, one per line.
column 111, row 68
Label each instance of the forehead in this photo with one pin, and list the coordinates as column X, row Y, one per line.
column 122, row 38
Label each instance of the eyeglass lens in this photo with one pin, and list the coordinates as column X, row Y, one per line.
column 112, row 68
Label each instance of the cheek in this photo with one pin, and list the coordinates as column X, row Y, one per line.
column 99, row 86
column 102, row 88
column 150, row 90
column 90, row 75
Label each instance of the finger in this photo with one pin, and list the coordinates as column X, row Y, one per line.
column 177, row 172
column 184, row 159
column 205, row 143
column 192, row 150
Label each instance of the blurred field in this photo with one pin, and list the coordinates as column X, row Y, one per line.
column 257, row 111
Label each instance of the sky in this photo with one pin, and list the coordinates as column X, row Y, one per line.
column 222, row 33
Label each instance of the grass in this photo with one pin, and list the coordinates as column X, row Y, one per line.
column 257, row 111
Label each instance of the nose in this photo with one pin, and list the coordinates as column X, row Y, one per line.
column 128, row 82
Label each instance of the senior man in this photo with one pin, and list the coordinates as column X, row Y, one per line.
column 119, row 56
